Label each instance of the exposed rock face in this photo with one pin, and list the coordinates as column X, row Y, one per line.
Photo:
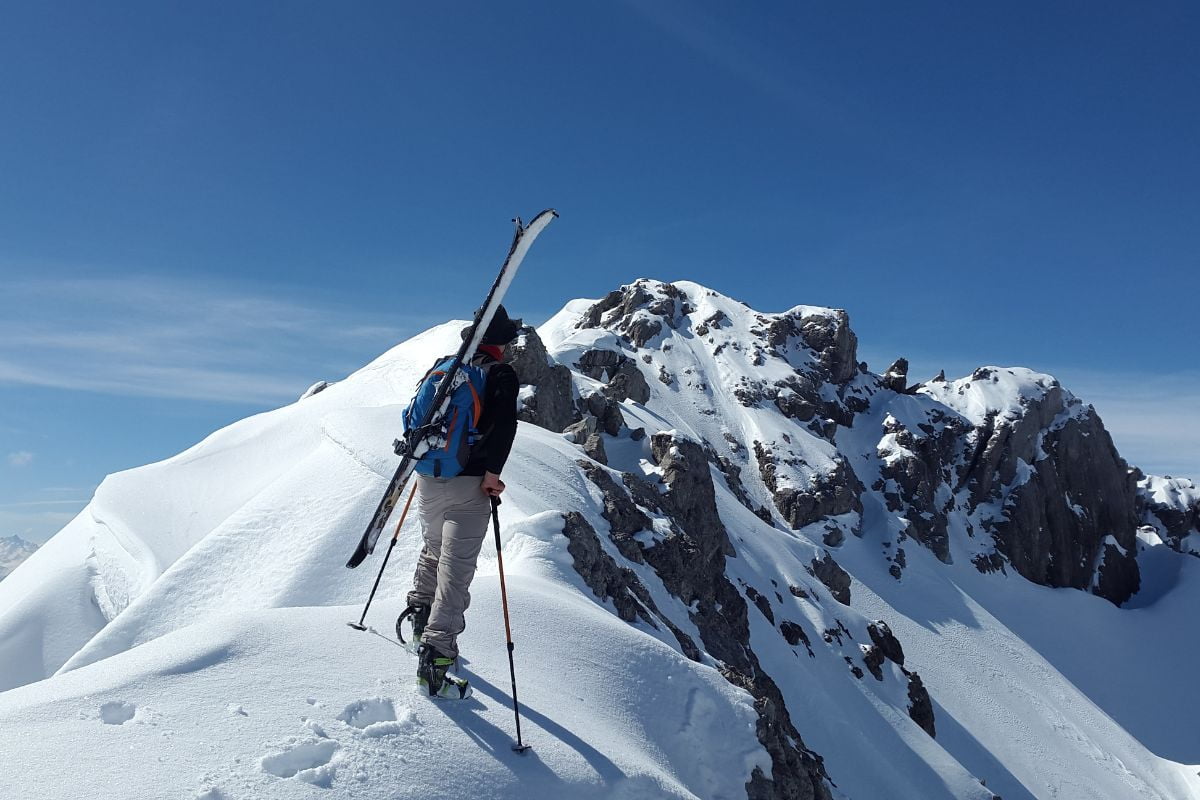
column 883, row 638
column 624, row 517
column 915, row 465
column 1031, row 480
column 835, row 344
column 686, row 473
column 1172, row 507
column 639, row 311
column 628, row 383
column 594, row 447
column 733, row 479
column 690, row 561
column 920, row 707
column 1063, row 490
column 607, row 412
column 832, row 493
column 550, row 404
column 614, row 583
column 600, row 364
column 896, row 377
column 836, row 579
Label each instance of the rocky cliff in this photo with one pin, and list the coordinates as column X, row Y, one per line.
column 1004, row 467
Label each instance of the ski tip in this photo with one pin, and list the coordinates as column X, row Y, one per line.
column 360, row 555
column 357, row 626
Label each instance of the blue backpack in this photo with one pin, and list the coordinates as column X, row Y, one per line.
column 451, row 436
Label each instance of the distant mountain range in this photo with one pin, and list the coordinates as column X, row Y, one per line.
column 13, row 551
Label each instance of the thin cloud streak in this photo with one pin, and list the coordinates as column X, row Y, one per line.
column 20, row 458
column 153, row 337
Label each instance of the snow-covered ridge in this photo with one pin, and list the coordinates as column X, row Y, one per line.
column 740, row 564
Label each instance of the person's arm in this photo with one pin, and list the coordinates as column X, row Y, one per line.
column 502, row 398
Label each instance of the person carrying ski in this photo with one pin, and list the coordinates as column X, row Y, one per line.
column 454, row 516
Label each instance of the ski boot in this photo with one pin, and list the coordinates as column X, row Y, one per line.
column 419, row 614
column 432, row 675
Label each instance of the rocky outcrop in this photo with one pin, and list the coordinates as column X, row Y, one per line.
column 1061, row 491
column 628, row 383
column 623, row 378
column 733, row 479
column 915, row 466
column 690, row 492
column 835, row 492
column 548, row 403
column 896, row 377
column 1171, row 506
column 886, row 641
column 607, row 412
column 834, row 342
column 614, row 583
column 836, row 579
column 920, row 707
column 689, row 558
column 639, row 311
column 624, row 518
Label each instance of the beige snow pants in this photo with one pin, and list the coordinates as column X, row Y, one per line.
column 454, row 520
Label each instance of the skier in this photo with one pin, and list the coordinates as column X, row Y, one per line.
column 454, row 516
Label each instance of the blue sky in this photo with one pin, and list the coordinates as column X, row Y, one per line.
column 205, row 207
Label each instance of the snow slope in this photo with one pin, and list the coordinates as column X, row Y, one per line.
column 184, row 635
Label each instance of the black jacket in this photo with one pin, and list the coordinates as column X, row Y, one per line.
column 497, row 422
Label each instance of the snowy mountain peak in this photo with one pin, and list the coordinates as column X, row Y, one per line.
column 13, row 551
column 752, row 566
column 1007, row 392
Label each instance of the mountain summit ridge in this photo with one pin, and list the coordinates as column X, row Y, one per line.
column 828, row 557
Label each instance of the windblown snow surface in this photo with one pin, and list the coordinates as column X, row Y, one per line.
column 185, row 635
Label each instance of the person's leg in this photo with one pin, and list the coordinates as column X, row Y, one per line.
column 463, row 529
column 431, row 507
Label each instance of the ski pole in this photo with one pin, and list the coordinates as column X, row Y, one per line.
column 359, row 626
column 519, row 747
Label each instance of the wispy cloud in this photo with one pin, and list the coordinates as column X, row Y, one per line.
column 45, row 503
column 35, row 525
column 150, row 336
column 20, row 458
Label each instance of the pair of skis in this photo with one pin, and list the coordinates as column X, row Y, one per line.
column 522, row 239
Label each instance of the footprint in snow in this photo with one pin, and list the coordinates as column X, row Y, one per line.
column 377, row 717
column 308, row 760
column 117, row 713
